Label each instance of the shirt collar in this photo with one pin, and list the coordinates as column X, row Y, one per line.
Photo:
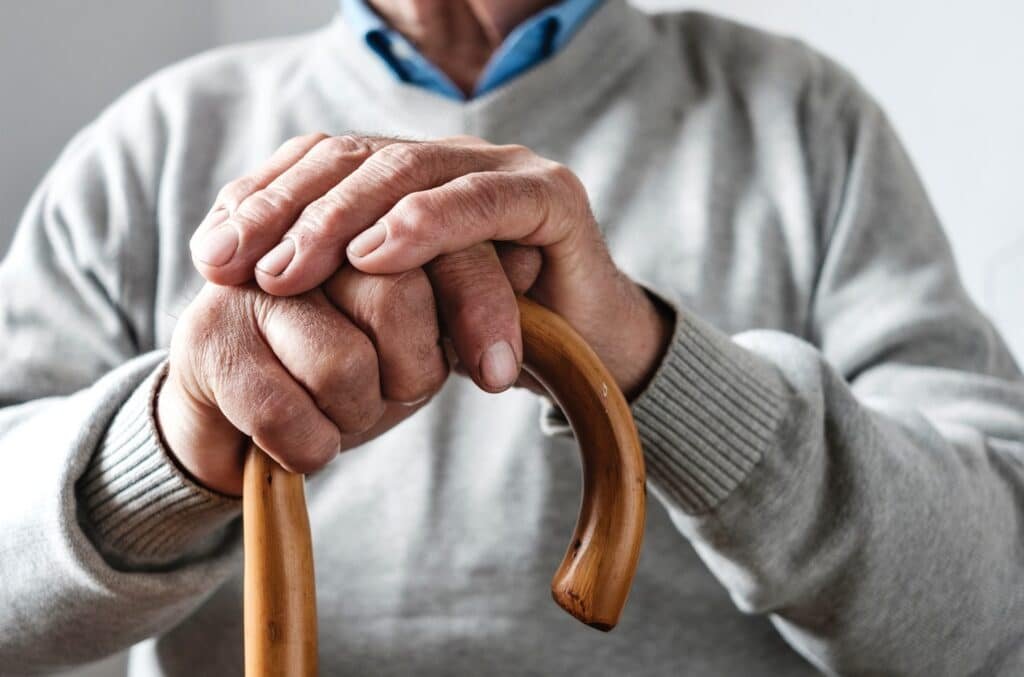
column 530, row 43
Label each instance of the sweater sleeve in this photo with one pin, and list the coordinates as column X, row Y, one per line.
column 103, row 541
column 863, row 485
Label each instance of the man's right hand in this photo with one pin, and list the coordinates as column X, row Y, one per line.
column 305, row 376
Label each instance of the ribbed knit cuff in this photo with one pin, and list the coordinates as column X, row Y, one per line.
column 139, row 507
column 707, row 417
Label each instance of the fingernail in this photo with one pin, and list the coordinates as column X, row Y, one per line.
column 218, row 246
column 498, row 366
column 368, row 241
column 277, row 259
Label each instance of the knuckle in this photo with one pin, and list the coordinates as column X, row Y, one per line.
column 423, row 384
column 279, row 197
column 434, row 377
column 410, row 290
column 357, row 369
column 516, row 151
column 263, row 206
column 562, row 176
column 396, row 298
column 365, row 415
column 312, row 137
column 212, row 339
column 404, row 160
column 395, row 305
column 275, row 413
column 326, row 383
column 355, row 403
column 400, row 155
column 339, row 380
column 566, row 195
column 210, row 308
column 477, row 182
column 289, row 428
column 412, row 218
column 335, row 149
column 320, row 219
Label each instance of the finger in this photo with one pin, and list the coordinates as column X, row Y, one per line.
column 253, row 390
column 215, row 249
column 464, row 140
column 521, row 264
column 318, row 240
column 398, row 313
column 538, row 208
column 333, row 360
column 259, row 220
column 480, row 315
column 525, row 380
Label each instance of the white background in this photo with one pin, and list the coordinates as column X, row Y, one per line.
column 948, row 73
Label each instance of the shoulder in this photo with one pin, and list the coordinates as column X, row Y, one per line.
column 212, row 113
column 171, row 133
column 786, row 114
column 225, row 79
column 796, row 107
column 753, row 67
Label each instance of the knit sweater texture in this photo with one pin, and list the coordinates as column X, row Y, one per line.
column 834, row 440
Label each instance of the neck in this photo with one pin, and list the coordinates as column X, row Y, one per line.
column 458, row 36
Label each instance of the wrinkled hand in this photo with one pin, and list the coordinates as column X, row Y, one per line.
column 305, row 376
column 389, row 206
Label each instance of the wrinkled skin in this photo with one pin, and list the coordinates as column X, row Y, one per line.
column 337, row 268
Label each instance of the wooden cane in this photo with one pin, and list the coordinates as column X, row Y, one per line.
column 593, row 580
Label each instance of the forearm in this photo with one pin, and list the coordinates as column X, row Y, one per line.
column 100, row 547
column 877, row 539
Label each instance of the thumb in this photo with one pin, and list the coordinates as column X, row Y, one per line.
column 478, row 309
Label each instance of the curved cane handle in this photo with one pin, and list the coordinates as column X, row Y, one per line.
column 593, row 580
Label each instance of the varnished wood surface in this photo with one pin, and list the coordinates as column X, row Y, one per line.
column 592, row 583
column 280, row 591
column 593, row 580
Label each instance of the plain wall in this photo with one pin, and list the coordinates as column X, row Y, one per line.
column 948, row 73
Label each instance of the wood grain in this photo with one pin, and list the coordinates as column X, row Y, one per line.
column 592, row 583
column 593, row 580
column 280, row 590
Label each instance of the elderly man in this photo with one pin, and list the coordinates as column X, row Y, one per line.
column 833, row 433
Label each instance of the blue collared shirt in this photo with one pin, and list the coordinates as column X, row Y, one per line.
column 533, row 41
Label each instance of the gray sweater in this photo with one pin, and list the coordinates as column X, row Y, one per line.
column 835, row 439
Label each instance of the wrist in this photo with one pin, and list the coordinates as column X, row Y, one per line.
column 653, row 322
column 201, row 441
column 629, row 328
